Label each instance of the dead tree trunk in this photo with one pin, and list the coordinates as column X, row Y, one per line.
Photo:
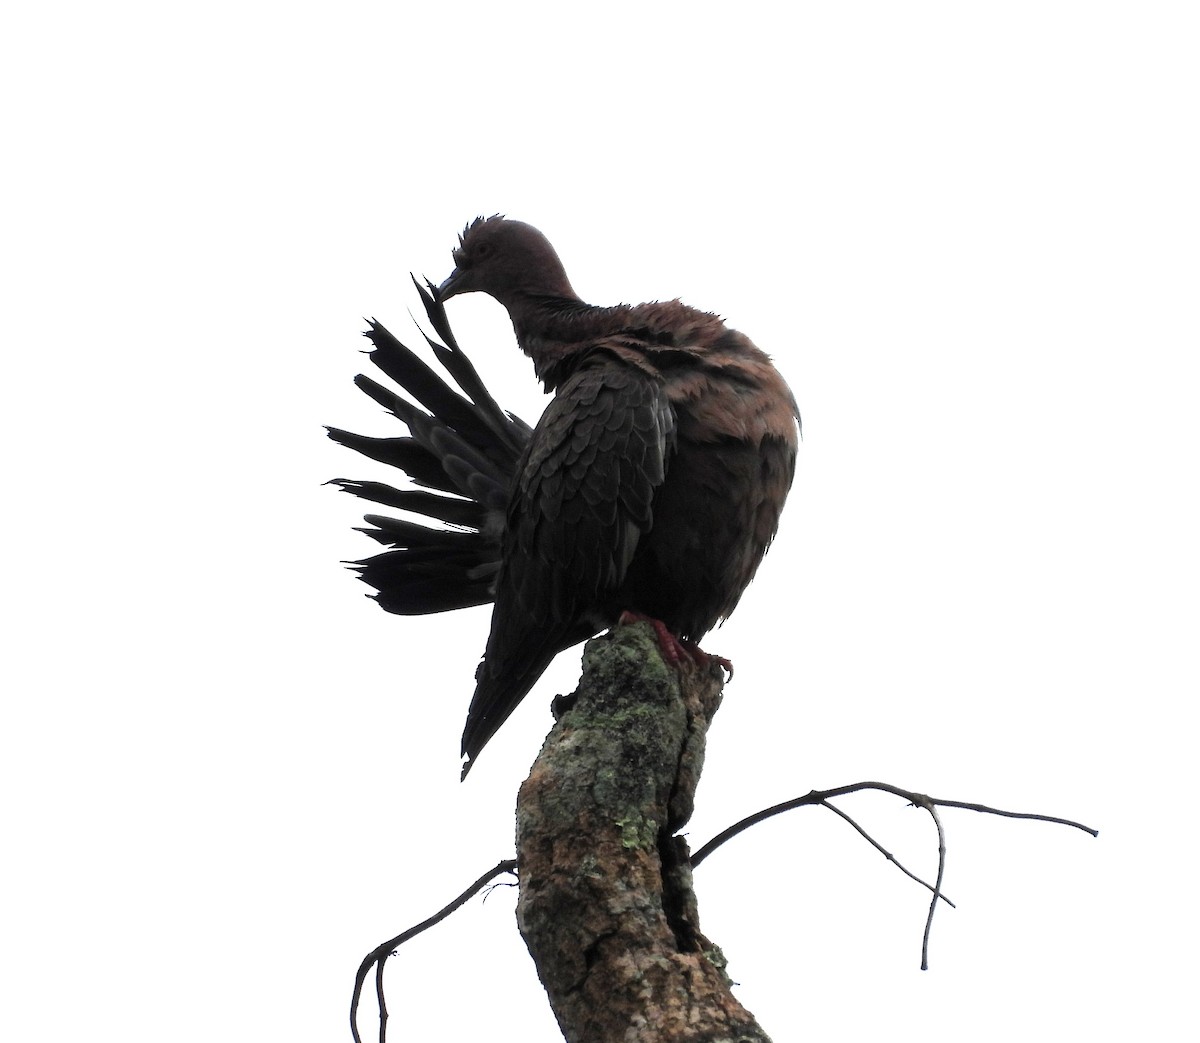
column 606, row 903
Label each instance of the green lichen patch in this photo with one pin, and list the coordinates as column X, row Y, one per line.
column 638, row 831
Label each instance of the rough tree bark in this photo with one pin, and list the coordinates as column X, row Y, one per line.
column 606, row 904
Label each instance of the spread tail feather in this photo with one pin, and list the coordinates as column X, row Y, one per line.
column 465, row 448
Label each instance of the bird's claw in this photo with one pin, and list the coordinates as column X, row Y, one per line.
column 675, row 650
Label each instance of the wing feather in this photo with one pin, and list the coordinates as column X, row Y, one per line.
column 582, row 500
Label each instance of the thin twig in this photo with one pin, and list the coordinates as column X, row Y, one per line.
column 883, row 851
column 928, row 805
column 918, row 799
column 984, row 809
column 820, row 796
column 383, row 1014
column 921, row 800
column 378, row 956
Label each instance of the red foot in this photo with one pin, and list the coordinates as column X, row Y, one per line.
column 700, row 656
column 673, row 648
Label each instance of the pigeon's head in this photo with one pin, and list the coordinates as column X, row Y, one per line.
column 509, row 260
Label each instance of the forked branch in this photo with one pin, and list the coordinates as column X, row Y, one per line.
column 645, row 848
column 920, row 800
column 378, row 956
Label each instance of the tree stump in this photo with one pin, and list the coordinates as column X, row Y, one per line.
column 606, row 904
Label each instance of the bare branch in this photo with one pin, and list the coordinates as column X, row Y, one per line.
column 883, row 851
column 928, row 805
column 984, row 809
column 378, row 956
column 821, row 796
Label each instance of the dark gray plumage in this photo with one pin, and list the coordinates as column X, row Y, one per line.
column 653, row 482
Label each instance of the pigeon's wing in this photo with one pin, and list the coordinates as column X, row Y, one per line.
column 582, row 500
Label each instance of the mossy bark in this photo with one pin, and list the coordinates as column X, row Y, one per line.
column 606, row 903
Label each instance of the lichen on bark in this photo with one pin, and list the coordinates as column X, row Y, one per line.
column 606, row 906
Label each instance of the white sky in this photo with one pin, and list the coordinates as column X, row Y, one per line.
column 968, row 235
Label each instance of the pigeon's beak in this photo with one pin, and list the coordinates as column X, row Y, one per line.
column 451, row 286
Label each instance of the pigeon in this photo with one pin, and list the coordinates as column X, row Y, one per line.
column 650, row 489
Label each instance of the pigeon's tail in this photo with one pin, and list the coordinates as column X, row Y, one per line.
column 500, row 688
column 496, row 696
column 465, row 449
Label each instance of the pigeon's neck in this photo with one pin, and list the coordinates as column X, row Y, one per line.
column 556, row 331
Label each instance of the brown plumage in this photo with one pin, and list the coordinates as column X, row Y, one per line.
column 653, row 482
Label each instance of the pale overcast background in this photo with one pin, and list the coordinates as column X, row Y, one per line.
column 966, row 232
